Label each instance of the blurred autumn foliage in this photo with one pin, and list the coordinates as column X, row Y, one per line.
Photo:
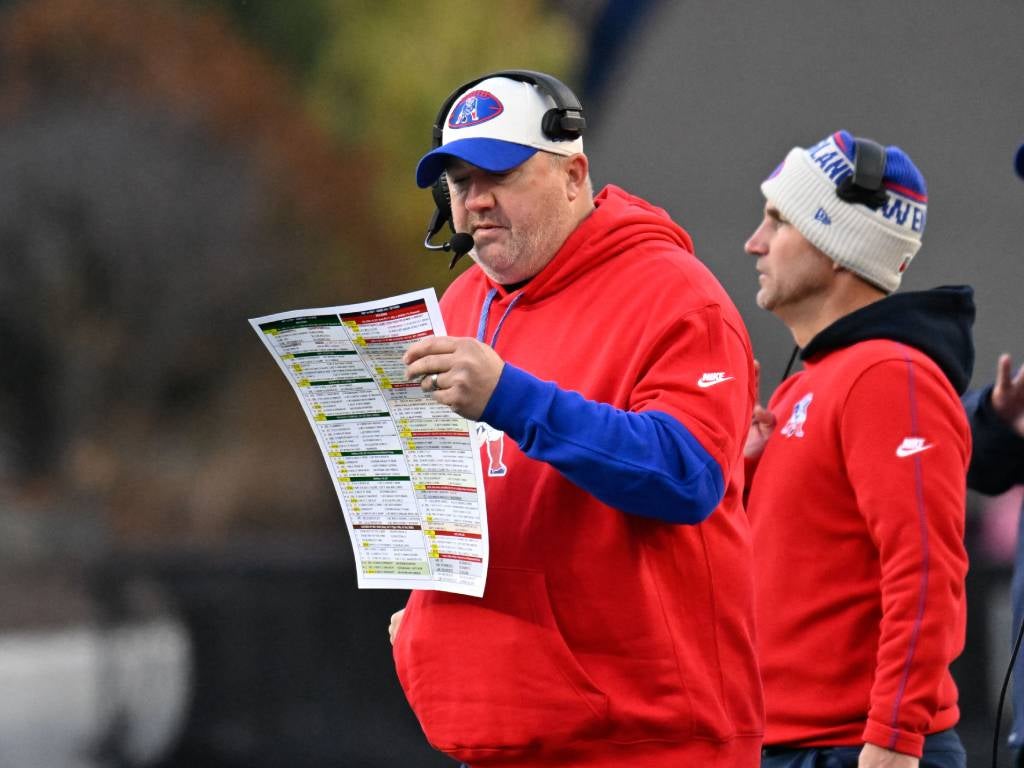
column 173, row 168
column 191, row 66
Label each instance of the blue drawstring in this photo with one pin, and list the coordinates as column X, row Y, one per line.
column 485, row 312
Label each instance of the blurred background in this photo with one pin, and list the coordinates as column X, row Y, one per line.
column 176, row 581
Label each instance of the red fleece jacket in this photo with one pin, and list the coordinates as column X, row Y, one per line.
column 857, row 507
column 603, row 638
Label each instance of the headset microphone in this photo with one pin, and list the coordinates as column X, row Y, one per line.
column 459, row 243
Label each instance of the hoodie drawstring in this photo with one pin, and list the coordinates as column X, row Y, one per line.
column 485, row 312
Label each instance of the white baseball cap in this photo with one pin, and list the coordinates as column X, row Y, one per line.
column 496, row 126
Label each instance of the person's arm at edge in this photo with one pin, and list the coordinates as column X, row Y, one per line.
column 997, row 459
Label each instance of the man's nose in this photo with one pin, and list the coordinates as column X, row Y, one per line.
column 757, row 243
column 479, row 196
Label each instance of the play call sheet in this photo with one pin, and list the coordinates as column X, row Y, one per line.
column 406, row 469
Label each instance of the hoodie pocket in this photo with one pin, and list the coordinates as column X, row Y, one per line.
column 495, row 673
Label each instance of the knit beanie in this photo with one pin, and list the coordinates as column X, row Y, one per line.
column 877, row 244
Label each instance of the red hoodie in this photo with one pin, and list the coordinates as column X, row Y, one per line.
column 603, row 638
column 857, row 507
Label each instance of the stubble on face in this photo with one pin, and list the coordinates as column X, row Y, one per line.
column 791, row 270
column 531, row 220
column 527, row 246
column 806, row 276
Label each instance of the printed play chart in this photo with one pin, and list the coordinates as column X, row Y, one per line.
column 406, row 469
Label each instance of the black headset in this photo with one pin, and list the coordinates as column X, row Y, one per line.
column 865, row 185
column 563, row 122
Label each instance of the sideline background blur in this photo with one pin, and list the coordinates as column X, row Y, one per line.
column 176, row 583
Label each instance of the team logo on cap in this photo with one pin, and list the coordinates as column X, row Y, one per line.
column 474, row 108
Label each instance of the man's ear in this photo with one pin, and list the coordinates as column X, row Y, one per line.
column 577, row 167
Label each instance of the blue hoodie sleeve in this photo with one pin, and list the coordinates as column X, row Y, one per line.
column 643, row 463
column 997, row 457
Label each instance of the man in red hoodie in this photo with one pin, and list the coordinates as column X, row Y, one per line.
column 617, row 623
column 857, row 470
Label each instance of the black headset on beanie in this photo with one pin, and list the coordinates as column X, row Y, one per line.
column 563, row 122
column 865, row 186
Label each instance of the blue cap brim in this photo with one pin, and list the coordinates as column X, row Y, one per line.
column 492, row 155
column 1019, row 161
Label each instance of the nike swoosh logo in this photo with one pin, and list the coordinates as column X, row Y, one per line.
column 904, row 451
column 710, row 383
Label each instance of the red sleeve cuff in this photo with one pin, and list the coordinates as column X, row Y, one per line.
column 892, row 738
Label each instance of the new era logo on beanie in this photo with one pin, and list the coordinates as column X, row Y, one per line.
column 876, row 244
column 496, row 125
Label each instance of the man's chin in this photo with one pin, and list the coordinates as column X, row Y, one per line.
column 493, row 259
column 499, row 273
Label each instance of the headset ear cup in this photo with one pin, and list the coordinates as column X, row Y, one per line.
column 551, row 123
column 443, row 201
column 866, row 185
column 560, row 125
